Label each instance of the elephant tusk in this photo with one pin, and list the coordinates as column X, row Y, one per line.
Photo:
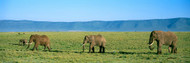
column 151, row 43
column 30, row 43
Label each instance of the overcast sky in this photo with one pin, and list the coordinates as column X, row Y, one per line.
column 88, row 10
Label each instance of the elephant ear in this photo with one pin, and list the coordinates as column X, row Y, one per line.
column 158, row 34
column 90, row 38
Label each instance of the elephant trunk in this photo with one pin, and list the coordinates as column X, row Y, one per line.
column 84, row 42
column 29, row 43
column 83, row 47
column 28, row 46
column 151, row 42
column 151, row 48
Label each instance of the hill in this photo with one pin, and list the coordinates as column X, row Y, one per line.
column 174, row 24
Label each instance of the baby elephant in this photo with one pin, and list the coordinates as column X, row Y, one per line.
column 95, row 40
column 39, row 40
column 23, row 42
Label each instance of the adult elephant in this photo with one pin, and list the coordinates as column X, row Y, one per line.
column 95, row 40
column 163, row 38
column 39, row 40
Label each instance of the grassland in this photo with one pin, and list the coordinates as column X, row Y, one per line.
column 121, row 47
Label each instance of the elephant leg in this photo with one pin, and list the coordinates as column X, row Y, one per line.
column 93, row 49
column 159, row 48
column 169, row 49
column 44, row 47
column 35, row 46
column 48, row 47
column 100, row 49
column 175, row 51
column 103, row 49
column 172, row 49
column 90, row 48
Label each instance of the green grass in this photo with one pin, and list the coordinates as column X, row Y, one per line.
column 121, row 47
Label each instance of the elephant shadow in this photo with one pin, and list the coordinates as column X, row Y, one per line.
column 49, row 51
column 56, row 51
column 83, row 52
column 122, row 52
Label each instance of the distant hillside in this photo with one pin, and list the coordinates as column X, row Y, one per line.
column 174, row 24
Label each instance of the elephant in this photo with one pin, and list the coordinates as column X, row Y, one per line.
column 95, row 40
column 19, row 33
column 163, row 38
column 39, row 40
column 23, row 42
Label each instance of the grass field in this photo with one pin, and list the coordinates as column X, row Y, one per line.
column 121, row 47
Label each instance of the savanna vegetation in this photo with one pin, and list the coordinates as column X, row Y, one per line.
column 122, row 47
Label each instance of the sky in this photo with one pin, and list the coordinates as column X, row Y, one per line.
column 90, row 10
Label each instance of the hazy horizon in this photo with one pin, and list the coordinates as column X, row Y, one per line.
column 85, row 10
column 97, row 20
